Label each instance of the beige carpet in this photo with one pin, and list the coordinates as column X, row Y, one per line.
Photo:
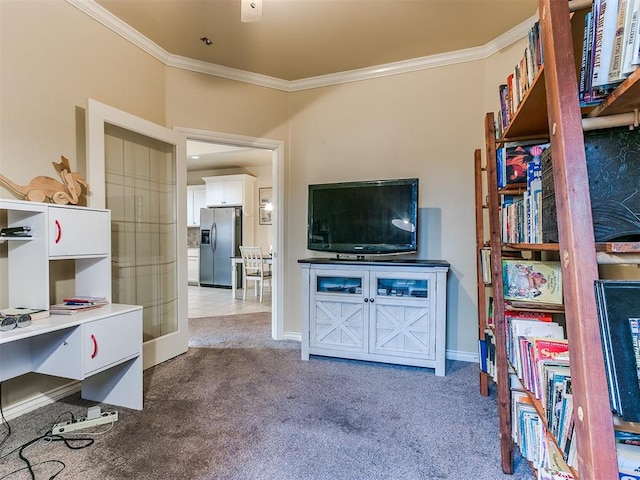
column 238, row 408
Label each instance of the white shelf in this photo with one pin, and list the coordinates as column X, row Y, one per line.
column 102, row 347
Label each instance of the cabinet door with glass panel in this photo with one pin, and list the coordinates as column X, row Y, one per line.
column 402, row 320
column 338, row 311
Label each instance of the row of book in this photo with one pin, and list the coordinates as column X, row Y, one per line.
column 535, row 441
column 611, row 47
column 539, row 354
column 521, row 213
column 610, row 53
column 487, row 354
column 485, row 265
column 518, row 82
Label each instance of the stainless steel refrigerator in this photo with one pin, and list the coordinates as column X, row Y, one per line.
column 220, row 239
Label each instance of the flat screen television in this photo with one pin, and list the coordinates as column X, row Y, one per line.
column 368, row 217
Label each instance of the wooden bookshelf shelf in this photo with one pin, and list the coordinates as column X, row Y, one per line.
column 539, row 247
column 624, row 99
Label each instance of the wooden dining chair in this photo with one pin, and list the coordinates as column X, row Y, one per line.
column 254, row 269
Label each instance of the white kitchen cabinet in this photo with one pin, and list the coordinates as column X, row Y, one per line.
column 101, row 347
column 393, row 312
column 193, row 266
column 230, row 191
column 224, row 194
column 235, row 190
column 196, row 199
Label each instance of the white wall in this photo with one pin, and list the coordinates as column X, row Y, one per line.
column 419, row 124
column 53, row 57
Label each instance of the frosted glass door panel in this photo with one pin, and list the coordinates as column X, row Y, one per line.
column 141, row 192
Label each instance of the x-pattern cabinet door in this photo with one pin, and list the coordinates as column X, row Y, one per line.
column 338, row 313
column 402, row 320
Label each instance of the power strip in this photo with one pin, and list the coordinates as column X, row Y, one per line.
column 67, row 427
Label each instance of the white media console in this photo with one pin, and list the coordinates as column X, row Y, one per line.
column 101, row 347
column 391, row 311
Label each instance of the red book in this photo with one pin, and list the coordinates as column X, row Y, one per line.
column 546, row 349
column 528, row 315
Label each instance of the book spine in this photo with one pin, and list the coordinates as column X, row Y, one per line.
column 605, row 35
column 585, row 55
column 631, row 32
column 615, row 66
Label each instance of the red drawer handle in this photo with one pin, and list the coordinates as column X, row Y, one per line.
column 58, row 231
column 95, row 346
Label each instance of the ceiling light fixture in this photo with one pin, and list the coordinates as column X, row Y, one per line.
column 206, row 41
column 250, row 10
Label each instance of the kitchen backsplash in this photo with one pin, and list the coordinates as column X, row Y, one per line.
column 193, row 236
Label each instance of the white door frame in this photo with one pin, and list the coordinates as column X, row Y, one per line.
column 97, row 115
column 277, row 173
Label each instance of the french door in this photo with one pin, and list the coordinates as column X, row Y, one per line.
column 137, row 170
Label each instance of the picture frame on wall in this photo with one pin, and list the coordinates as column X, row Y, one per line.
column 265, row 216
column 265, row 196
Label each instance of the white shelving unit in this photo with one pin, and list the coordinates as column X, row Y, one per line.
column 101, row 347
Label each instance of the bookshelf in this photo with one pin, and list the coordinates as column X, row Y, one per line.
column 550, row 110
column 481, row 244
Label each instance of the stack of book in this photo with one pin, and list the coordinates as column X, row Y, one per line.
column 76, row 304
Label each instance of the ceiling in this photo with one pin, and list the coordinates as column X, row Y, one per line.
column 207, row 156
column 299, row 39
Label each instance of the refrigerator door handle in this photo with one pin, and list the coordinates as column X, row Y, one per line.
column 214, row 236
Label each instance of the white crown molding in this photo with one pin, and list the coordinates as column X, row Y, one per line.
column 112, row 22
column 227, row 72
column 388, row 69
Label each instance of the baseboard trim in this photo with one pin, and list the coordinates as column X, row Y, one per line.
column 41, row 400
column 461, row 356
column 293, row 336
column 470, row 357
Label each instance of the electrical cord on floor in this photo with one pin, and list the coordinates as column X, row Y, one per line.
column 4, row 421
column 71, row 443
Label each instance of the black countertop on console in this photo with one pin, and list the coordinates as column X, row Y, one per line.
column 374, row 261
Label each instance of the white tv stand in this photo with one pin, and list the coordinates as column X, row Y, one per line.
column 101, row 347
column 391, row 311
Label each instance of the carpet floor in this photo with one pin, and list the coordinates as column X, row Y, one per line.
column 239, row 405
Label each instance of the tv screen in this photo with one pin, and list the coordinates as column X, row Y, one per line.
column 368, row 217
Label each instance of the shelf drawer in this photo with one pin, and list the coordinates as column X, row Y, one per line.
column 78, row 232
column 111, row 340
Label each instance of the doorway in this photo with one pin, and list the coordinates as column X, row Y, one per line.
column 225, row 154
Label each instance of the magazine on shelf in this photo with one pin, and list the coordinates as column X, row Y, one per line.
column 532, row 281
column 70, row 309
